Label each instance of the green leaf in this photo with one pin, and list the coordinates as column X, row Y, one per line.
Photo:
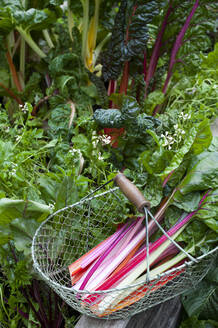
column 153, row 190
column 202, row 173
column 187, row 202
column 23, row 231
column 11, row 209
column 209, row 212
column 203, row 138
column 154, row 98
column 210, row 62
column 202, row 301
column 107, row 118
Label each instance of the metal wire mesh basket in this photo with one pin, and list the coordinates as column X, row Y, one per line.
column 72, row 231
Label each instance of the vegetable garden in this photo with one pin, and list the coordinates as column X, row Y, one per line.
column 89, row 88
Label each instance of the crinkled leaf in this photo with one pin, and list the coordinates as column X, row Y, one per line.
column 129, row 35
column 108, row 118
column 67, row 63
column 112, row 61
column 214, row 144
column 34, row 19
column 154, row 98
column 142, row 14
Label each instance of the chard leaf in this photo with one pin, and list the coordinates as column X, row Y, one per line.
column 197, row 300
column 109, row 118
column 23, row 231
column 209, row 211
column 153, row 190
column 112, row 62
column 202, row 173
column 188, row 202
column 142, row 14
column 210, row 62
column 65, row 64
column 34, row 19
column 11, row 209
column 102, row 92
column 203, row 138
column 129, row 35
column 202, row 301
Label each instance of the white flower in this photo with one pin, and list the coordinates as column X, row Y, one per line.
column 18, row 138
column 100, row 157
column 74, row 151
column 51, row 206
column 105, row 140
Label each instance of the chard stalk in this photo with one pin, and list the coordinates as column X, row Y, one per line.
column 22, row 60
column 27, row 37
column 11, row 94
column 178, row 44
column 156, row 51
column 48, row 38
column 13, row 71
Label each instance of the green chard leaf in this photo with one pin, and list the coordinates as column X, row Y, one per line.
column 11, row 209
column 202, row 173
column 209, row 211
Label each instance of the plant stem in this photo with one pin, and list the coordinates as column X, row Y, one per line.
column 38, row 316
column 48, row 38
column 99, row 48
column 39, row 301
column 60, row 317
column 22, row 59
column 41, row 101
column 13, row 71
column 125, row 78
column 2, row 303
column 156, row 51
column 27, row 37
column 11, row 94
column 178, row 44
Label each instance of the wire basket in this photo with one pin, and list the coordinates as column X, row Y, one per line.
column 72, row 231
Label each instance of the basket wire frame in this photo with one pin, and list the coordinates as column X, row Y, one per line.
column 70, row 232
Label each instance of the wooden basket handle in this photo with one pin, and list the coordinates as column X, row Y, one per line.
column 133, row 194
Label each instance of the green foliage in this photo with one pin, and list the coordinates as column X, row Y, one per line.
column 201, row 303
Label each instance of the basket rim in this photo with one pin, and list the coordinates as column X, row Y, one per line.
column 72, row 289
